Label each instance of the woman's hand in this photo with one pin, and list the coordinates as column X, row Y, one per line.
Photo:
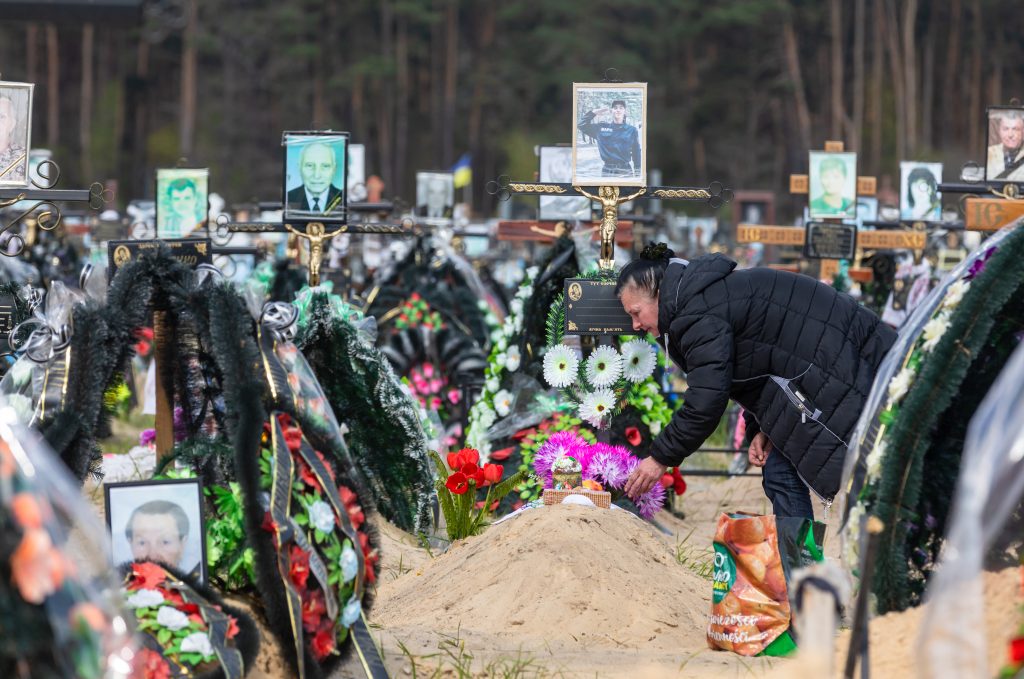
column 760, row 446
column 643, row 478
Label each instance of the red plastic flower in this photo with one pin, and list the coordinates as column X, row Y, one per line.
column 323, row 641
column 232, row 628
column 153, row 665
column 503, row 454
column 457, row 483
column 493, row 472
column 172, row 596
column 666, row 480
column 678, row 482
column 313, row 610
column 494, row 505
column 306, row 474
column 299, row 571
column 147, row 575
column 633, row 436
column 268, row 523
column 1017, row 650
column 465, row 456
column 473, row 473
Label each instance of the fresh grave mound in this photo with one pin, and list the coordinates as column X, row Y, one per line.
column 570, row 574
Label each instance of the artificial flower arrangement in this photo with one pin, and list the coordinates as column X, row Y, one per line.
column 430, row 387
column 531, row 441
column 608, row 465
column 495, row 402
column 324, row 522
column 897, row 389
column 60, row 613
column 457, row 488
column 188, row 631
column 601, row 385
column 415, row 311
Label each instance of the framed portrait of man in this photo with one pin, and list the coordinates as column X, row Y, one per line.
column 182, row 196
column 356, row 180
column 1004, row 160
column 920, row 199
column 15, row 133
column 556, row 168
column 609, row 142
column 158, row 521
column 833, row 185
column 435, row 197
column 315, row 182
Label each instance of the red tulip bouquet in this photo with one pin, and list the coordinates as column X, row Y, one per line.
column 457, row 491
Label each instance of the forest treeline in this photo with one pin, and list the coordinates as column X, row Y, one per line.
column 739, row 90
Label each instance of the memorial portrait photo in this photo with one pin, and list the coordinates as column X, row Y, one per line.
column 556, row 168
column 920, row 199
column 158, row 521
column 315, row 183
column 15, row 133
column 435, row 197
column 609, row 146
column 1005, row 157
column 181, row 201
column 833, row 184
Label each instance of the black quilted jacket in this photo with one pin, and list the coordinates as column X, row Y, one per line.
column 797, row 355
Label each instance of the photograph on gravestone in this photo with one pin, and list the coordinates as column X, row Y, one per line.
column 609, row 144
column 182, row 196
column 315, row 169
column 189, row 251
column 356, row 178
column 592, row 308
column 556, row 168
column 1005, row 154
column 15, row 133
column 833, row 184
column 920, row 199
column 830, row 240
column 435, row 197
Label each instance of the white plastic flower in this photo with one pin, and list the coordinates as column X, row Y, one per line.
column 955, row 293
column 597, row 406
column 503, row 402
column 638, row 360
column 197, row 642
column 874, row 460
column 512, row 358
column 501, row 342
column 604, row 366
column 532, row 272
column 145, row 598
column 499, row 359
column 560, row 366
column 321, row 516
column 516, row 306
column 351, row 612
column 492, row 385
column 934, row 331
column 900, row 384
column 171, row 618
column 349, row 563
column 485, row 416
column 655, row 427
column 524, row 291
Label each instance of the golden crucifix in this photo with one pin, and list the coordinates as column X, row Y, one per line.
column 315, row 234
column 609, row 198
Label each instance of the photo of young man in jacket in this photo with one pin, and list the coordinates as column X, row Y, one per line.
column 797, row 355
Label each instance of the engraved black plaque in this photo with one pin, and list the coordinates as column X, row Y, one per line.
column 830, row 240
column 189, row 251
column 591, row 308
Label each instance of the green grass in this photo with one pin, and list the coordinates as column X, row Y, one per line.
column 453, row 659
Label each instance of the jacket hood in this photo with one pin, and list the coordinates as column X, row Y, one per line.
column 684, row 281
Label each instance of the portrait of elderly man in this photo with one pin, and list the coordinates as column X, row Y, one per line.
column 13, row 154
column 1006, row 150
column 318, row 163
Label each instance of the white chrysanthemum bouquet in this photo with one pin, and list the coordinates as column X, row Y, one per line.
column 599, row 384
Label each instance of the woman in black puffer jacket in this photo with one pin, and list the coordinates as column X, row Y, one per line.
column 799, row 357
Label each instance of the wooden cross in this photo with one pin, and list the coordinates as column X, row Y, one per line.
column 610, row 199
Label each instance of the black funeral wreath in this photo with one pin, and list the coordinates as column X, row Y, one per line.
column 216, row 364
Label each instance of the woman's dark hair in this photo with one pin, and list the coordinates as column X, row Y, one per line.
column 647, row 270
column 920, row 174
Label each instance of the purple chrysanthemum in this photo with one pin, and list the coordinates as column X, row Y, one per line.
column 608, row 464
column 562, row 443
column 652, row 501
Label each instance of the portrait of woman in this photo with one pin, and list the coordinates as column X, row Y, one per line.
column 920, row 199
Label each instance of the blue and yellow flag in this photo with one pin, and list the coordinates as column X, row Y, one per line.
column 462, row 171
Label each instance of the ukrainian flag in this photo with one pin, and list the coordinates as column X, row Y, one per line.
column 462, row 171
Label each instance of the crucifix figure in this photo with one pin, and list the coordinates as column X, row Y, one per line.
column 316, row 236
column 609, row 198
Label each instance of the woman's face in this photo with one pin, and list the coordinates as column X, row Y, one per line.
column 641, row 308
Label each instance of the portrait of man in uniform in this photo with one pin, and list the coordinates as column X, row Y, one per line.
column 1005, row 158
column 609, row 138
